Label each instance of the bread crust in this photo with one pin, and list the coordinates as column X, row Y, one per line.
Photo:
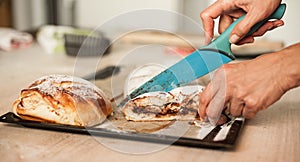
column 63, row 99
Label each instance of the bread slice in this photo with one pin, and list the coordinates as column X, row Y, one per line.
column 179, row 104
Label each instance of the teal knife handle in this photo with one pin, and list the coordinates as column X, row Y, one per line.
column 222, row 42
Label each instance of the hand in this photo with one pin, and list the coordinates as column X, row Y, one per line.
column 229, row 10
column 250, row 86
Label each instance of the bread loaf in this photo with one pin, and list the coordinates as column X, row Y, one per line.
column 63, row 99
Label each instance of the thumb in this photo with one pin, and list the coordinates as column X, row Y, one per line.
column 243, row 27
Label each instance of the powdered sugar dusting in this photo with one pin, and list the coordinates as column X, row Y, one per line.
column 56, row 83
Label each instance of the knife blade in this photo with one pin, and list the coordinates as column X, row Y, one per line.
column 200, row 62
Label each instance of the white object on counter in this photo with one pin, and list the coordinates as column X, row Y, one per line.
column 141, row 75
column 13, row 39
column 51, row 38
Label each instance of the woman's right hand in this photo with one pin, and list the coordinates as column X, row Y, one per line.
column 229, row 10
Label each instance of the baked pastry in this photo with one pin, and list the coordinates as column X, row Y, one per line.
column 63, row 99
column 178, row 104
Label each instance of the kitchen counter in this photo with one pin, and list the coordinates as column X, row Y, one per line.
column 273, row 135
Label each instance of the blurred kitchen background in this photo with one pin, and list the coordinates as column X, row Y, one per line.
column 31, row 15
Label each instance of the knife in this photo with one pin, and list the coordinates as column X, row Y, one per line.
column 200, row 62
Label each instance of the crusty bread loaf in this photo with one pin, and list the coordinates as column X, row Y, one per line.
column 63, row 99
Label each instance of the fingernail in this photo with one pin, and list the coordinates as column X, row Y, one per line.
column 212, row 121
column 270, row 27
column 278, row 25
column 234, row 39
column 203, row 118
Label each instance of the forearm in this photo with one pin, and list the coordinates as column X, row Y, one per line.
column 290, row 65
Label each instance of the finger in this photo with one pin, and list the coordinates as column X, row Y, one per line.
column 248, row 113
column 236, row 13
column 270, row 25
column 244, row 26
column 217, row 104
column 219, row 98
column 278, row 23
column 245, row 40
column 222, row 120
column 208, row 16
column 205, row 98
column 236, row 107
column 217, row 88
column 224, row 22
column 228, row 18
column 208, row 25
column 215, row 108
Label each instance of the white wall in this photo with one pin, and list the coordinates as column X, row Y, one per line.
column 92, row 13
column 192, row 9
column 290, row 32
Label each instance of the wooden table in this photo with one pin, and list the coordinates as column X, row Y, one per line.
column 273, row 135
